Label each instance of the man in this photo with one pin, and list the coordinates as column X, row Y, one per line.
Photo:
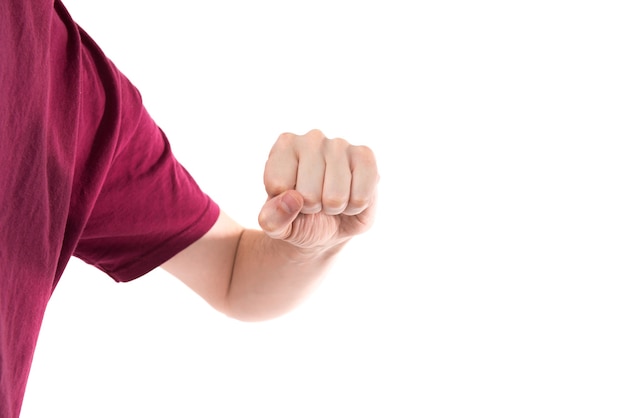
column 85, row 172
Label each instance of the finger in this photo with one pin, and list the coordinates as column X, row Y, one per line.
column 281, row 168
column 279, row 212
column 364, row 180
column 337, row 179
column 310, row 179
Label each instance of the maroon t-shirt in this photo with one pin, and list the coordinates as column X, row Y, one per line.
column 84, row 171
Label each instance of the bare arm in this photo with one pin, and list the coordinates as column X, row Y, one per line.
column 321, row 193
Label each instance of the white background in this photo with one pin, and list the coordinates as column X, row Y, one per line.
column 492, row 284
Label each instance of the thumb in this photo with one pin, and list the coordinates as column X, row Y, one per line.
column 279, row 212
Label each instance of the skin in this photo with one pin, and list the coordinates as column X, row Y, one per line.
column 321, row 193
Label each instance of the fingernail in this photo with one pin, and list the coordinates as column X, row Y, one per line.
column 289, row 204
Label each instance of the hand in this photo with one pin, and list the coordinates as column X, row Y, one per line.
column 321, row 191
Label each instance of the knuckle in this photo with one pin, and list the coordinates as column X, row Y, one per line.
column 270, row 227
column 283, row 142
column 312, row 203
column 285, row 136
column 363, row 153
column 315, row 134
column 334, row 203
column 359, row 202
column 337, row 144
column 263, row 222
column 275, row 186
column 274, row 183
column 310, row 198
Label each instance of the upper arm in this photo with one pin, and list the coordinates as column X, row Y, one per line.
column 206, row 266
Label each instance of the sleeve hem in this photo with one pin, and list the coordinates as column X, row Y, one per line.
column 168, row 249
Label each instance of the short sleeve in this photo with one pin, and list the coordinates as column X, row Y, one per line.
column 149, row 208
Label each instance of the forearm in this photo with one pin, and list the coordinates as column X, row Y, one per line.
column 270, row 277
column 321, row 193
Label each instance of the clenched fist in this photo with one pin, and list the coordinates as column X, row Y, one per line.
column 320, row 191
